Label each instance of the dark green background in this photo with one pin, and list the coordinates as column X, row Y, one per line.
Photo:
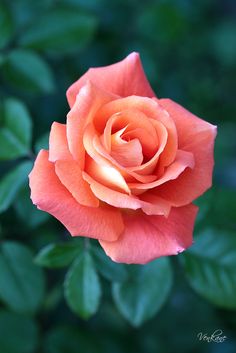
column 188, row 49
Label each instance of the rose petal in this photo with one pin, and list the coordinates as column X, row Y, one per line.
column 58, row 145
column 154, row 205
column 70, row 176
column 88, row 101
column 150, row 204
column 112, row 197
column 127, row 119
column 51, row 196
column 183, row 160
column 169, row 153
column 148, row 147
column 124, row 111
column 162, row 137
column 106, row 175
column 197, row 137
column 187, row 124
column 99, row 167
column 146, row 238
column 102, row 153
column 124, row 78
column 128, row 154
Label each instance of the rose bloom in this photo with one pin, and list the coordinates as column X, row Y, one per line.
column 126, row 166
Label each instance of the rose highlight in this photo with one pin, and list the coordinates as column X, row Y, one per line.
column 126, row 166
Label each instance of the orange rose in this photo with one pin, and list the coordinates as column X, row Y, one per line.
column 126, row 166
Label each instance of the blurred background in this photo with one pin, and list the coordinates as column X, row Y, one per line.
column 188, row 49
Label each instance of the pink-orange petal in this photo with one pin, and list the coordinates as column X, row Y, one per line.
column 162, row 137
column 70, row 176
column 102, row 153
column 151, row 205
column 112, row 197
column 89, row 99
column 124, row 78
column 58, row 145
column 197, row 137
column 149, row 147
column 188, row 125
column 125, row 111
column 100, row 168
column 192, row 182
column 146, row 238
column 106, row 175
column 171, row 147
column 154, row 205
column 128, row 154
column 51, row 196
column 183, row 160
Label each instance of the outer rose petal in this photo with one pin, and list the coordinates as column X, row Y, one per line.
column 124, row 78
column 58, row 145
column 196, row 136
column 70, row 176
column 88, row 101
column 51, row 196
column 187, row 124
column 146, row 238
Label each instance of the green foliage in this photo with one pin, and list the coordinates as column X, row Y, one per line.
column 64, row 339
column 109, row 269
column 11, row 183
column 144, row 292
column 30, row 216
column 18, row 334
column 57, row 255
column 6, row 25
column 60, row 30
column 82, row 286
column 224, row 42
column 188, row 50
column 42, row 142
column 21, row 281
column 26, row 70
column 210, row 267
column 15, row 129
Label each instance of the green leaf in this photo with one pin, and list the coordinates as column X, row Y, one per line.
column 223, row 42
column 110, row 270
column 26, row 70
column 224, row 210
column 60, row 30
column 26, row 211
column 53, row 298
column 143, row 294
column 62, row 339
column 2, row 59
column 70, row 339
column 21, row 281
column 82, row 287
column 58, row 255
column 6, row 25
column 15, row 130
column 42, row 142
column 11, row 183
column 18, row 334
column 210, row 267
